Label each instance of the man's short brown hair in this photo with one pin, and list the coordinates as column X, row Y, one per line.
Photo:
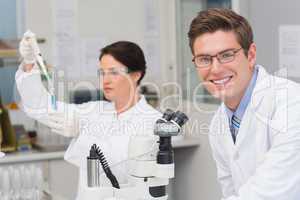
column 214, row 19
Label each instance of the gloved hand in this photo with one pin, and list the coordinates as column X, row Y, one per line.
column 63, row 124
column 28, row 48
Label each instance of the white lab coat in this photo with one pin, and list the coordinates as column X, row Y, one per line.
column 99, row 124
column 264, row 163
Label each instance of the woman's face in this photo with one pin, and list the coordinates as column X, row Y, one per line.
column 116, row 82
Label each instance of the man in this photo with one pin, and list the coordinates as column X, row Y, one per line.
column 255, row 133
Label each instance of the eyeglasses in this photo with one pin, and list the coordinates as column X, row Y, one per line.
column 203, row 61
column 116, row 71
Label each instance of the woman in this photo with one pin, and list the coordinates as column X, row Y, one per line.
column 110, row 125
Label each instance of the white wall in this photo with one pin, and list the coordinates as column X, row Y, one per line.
column 38, row 18
column 265, row 17
column 114, row 20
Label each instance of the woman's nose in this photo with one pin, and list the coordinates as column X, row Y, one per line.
column 106, row 79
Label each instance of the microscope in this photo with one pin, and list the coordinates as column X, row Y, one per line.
column 151, row 164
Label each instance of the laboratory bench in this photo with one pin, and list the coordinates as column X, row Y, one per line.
column 62, row 177
column 38, row 156
column 59, row 177
column 31, row 156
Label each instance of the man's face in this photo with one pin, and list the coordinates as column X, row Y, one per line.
column 227, row 81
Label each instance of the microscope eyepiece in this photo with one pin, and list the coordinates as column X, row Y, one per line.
column 168, row 114
column 180, row 118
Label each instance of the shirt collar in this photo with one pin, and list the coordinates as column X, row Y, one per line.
column 239, row 112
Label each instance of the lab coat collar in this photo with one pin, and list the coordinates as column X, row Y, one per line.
column 134, row 110
column 257, row 107
column 263, row 85
column 260, row 105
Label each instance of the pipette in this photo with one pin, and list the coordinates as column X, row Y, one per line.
column 30, row 37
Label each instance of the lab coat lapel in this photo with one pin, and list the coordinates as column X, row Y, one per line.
column 257, row 117
column 259, row 107
column 263, row 98
column 261, row 91
column 225, row 131
column 262, row 107
column 245, row 128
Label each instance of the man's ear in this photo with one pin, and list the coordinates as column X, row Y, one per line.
column 252, row 55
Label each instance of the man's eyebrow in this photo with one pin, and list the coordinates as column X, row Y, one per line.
column 198, row 55
column 230, row 49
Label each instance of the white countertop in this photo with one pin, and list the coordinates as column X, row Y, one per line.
column 31, row 156
column 40, row 156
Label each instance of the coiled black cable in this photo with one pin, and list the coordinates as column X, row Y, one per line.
column 106, row 167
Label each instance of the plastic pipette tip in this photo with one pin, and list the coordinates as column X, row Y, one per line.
column 53, row 102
